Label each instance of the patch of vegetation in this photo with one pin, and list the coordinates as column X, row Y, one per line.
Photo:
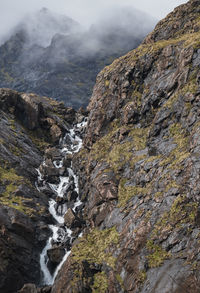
column 93, row 247
column 181, row 212
column 157, row 254
column 142, row 276
column 17, row 202
column 116, row 153
column 10, row 175
column 171, row 101
column 180, row 153
column 107, row 83
column 11, row 181
column 126, row 192
column 153, row 48
column 100, row 284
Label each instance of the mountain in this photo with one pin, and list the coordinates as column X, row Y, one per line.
column 139, row 169
column 52, row 55
column 136, row 227
column 29, row 124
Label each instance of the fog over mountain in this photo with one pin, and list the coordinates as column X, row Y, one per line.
column 84, row 11
column 52, row 54
column 58, row 52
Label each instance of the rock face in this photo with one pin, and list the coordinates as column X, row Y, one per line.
column 139, row 169
column 26, row 123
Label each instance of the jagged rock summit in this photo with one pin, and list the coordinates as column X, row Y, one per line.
column 139, row 169
column 138, row 173
column 52, row 55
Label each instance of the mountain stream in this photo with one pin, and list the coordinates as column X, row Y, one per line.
column 61, row 238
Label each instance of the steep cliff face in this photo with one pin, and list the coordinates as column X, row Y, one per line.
column 139, row 169
column 28, row 124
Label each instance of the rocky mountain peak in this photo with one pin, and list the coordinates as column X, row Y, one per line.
column 138, row 171
column 139, row 168
column 182, row 21
column 51, row 54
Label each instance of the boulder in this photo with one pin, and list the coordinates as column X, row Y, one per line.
column 71, row 220
column 55, row 132
column 67, row 161
column 56, row 254
column 53, row 154
column 72, row 196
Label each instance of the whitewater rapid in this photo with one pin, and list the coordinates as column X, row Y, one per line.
column 70, row 144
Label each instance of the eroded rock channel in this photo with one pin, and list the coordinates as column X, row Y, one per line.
column 56, row 177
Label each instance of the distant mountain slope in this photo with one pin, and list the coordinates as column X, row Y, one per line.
column 52, row 55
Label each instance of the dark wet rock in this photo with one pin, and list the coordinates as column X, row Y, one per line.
column 67, row 161
column 177, row 279
column 53, row 154
column 68, row 243
column 72, row 196
column 25, row 132
column 56, row 254
column 139, row 168
column 71, row 220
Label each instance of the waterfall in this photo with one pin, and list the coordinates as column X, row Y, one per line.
column 71, row 143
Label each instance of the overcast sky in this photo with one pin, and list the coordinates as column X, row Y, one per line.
column 84, row 11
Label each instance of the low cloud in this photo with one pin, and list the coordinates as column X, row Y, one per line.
column 84, row 11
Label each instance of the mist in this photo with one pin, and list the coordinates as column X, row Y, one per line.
column 85, row 12
column 57, row 48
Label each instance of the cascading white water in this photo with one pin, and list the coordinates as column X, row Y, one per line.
column 59, row 232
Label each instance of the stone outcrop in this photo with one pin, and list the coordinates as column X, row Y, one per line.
column 139, row 169
column 25, row 132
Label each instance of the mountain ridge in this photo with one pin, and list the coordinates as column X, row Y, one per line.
column 139, row 169
column 63, row 63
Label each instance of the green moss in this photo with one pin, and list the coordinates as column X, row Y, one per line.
column 190, row 87
column 93, row 247
column 136, row 97
column 158, row 194
column 100, row 284
column 139, row 136
column 171, row 184
column 119, row 155
column 119, row 280
column 16, row 150
column 12, row 124
column 107, row 82
column 116, row 153
column 11, row 181
column 171, row 101
column 180, row 152
column 17, row 202
column 142, row 276
column 181, row 212
column 157, row 254
column 126, row 192
column 9, row 175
